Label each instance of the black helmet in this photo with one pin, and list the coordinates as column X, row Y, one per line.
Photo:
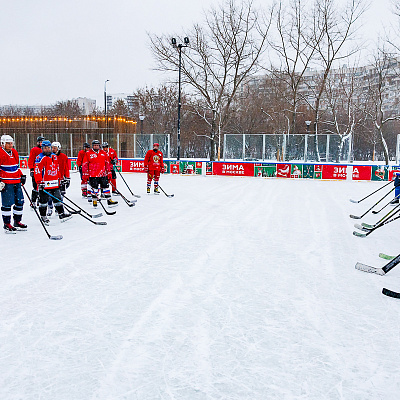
column 40, row 139
column 105, row 144
column 95, row 142
column 86, row 145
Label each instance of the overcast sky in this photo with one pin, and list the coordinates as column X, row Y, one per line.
column 57, row 50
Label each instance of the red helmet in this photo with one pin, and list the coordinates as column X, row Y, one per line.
column 156, row 144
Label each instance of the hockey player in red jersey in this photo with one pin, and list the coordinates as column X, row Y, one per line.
column 63, row 166
column 95, row 169
column 11, row 179
column 154, row 165
column 35, row 151
column 79, row 162
column 47, row 176
column 113, row 159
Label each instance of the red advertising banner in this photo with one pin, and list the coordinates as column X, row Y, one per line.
column 283, row 170
column 174, row 167
column 334, row 172
column 362, row 172
column 236, row 169
column 132, row 165
column 23, row 163
column 392, row 173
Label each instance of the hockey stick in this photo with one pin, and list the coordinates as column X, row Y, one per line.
column 391, row 293
column 366, row 212
column 376, row 212
column 102, row 205
column 366, row 197
column 128, row 202
column 134, row 195
column 394, row 210
column 57, row 237
column 379, row 271
column 168, row 195
column 80, row 208
column 71, row 209
column 386, row 257
column 358, row 234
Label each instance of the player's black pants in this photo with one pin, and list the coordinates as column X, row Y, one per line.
column 44, row 199
column 95, row 182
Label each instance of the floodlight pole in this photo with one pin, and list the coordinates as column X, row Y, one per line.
column 179, row 47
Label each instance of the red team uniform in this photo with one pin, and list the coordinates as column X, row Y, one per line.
column 95, row 169
column 35, row 151
column 48, row 177
column 79, row 163
column 113, row 159
column 11, row 192
column 154, row 164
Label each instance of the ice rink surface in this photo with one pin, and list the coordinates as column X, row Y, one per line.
column 236, row 288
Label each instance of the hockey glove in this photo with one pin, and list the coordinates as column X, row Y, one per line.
column 66, row 182
column 162, row 170
column 2, row 186
column 23, row 180
column 41, row 186
column 32, row 173
column 113, row 161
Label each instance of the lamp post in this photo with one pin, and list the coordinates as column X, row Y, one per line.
column 179, row 47
column 308, row 123
column 141, row 117
column 105, row 97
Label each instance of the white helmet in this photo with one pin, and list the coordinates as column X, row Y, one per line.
column 6, row 139
column 56, row 144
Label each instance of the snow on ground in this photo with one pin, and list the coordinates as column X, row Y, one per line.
column 236, row 288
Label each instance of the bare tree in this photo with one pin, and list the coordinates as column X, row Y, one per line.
column 346, row 105
column 296, row 46
column 382, row 79
column 119, row 108
column 224, row 51
column 338, row 25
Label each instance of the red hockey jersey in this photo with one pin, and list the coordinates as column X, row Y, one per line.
column 81, row 156
column 47, row 171
column 95, row 164
column 9, row 166
column 154, row 160
column 112, row 155
column 63, row 165
column 35, row 151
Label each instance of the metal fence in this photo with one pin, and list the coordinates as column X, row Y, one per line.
column 127, row 145
column 298, row 147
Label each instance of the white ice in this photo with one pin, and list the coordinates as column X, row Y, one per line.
column 236, row 288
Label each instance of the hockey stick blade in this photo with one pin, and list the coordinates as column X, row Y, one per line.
column 56, row 237
column 368, row 226
column 136, row 195
column 354, row 201
column 354, row 216
column 391, row 293
column 96, row 215
column 386, row 257
column 361, row 228
column 358, row 234
column 100, row 223
column 371, row 270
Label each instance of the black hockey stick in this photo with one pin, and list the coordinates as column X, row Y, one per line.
column 358, row 234
column 379, row 271
column 366, row 197
column 134, row 195
column 394, row 210
column 80, row 208
column 168, row 195
column 128, row 202
column 71, row 209
column 377, row 212
column 57, row 237
column 391, row 293
column 366, row 212
column 102, row 205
